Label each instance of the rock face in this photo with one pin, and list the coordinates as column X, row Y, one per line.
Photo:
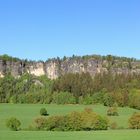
column 52, row 69
column 36, row 69
column 55, row 67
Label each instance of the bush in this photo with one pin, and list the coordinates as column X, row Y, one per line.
column 93, row 121
column 134, row 101
column 101, row 123
column 98, row 97
column 75, row 121
column 134, row 121
column 43, row 112
column 121, row 98
column 40, row 123
column 112, row 111
column 108, row 99
column 13, row 124
column 56, row 123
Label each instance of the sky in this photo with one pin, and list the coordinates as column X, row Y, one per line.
column 42, row 29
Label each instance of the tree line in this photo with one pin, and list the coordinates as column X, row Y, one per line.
column 71, row 88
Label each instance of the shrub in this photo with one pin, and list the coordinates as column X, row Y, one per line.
column 88, row 120
column 56, row 123
column 134, row 101
column 43, row 112
column 134, row 121
column 108, row 99
column 75, row 121
column 98, row 97
column 101, row 123
column 112, row 111
column 40, row 123
column 13, row 124
column 93, row 121
column 120, row 99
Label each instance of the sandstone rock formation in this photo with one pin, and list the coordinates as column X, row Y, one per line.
column 56, row 67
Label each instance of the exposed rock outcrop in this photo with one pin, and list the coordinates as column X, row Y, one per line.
column 56, row 67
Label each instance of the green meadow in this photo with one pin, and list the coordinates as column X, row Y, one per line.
column 26, row 113
column 98, row 135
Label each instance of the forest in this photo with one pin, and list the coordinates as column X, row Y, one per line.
column 106, row 89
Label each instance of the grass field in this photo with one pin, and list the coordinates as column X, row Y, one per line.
column 27, row 112
column 98, row 135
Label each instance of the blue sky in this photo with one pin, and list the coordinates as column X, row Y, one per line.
column 41, row 29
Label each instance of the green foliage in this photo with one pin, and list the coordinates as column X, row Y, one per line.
column 13, row 124
column 7, row 88
column 121, row 97
column 134, row 121
column 77, row 84
column 109, row 58
column 101, row 123
column 63, row 98
column 6, row 57
column 26, row 89
column 27, row 112
column 75, row 121
column 40, row 123
column 108, row 99
column 113, row 111
column 43, row 112
column 57, row 123
column 98, row 97
column 105, row 88
column 92, row 121
column 86, row 100
column 134, row 100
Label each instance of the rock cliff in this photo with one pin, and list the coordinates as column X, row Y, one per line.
column 53, row 68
